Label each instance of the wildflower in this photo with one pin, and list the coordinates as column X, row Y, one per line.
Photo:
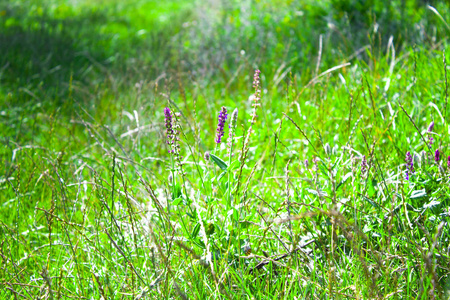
column 257, row 95
column 429, row 131
column 409, row 161
column 430, row 127
column 232, row 126
column 306, row 163
column 256, row 82
column 363, row 166
column 409, row 164
column 169, row 128
column 222, row 118
column 172, row 134
column 437, row 155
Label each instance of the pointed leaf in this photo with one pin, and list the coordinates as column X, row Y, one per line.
column 195, row 231
column 177, row 201
column 221, row 176
column 219, row 162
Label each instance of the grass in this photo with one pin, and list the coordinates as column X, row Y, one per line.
column 316, row 200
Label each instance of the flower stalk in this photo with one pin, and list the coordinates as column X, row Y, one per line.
column 409, row 165
column 221, row 124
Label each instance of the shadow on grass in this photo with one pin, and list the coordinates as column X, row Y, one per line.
column 43, row 55
column 50, row 58
column 40, row 54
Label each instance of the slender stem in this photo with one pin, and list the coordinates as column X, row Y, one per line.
column 229, row 175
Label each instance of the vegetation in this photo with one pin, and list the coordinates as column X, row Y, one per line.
column 233, row 149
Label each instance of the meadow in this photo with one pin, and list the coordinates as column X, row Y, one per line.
column 224, row 149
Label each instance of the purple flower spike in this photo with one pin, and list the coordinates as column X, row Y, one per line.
column 222, row 118
column 409, row 164
column 448, row 164
column 409, row 161
column 431, row 126
column 437, row 155
column 363, row 166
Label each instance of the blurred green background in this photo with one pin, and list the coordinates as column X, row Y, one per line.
column 45, row 45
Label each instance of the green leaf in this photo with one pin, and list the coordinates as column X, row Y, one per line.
column 176, row 192
column 235, row 215
column 371, row 202
column 195, row 231
column 177, row 201
column 344, row 179
column 433, row 206
column 235, row 165
column 219, row 162
column 221, row 176
column 319, row 193
column 371, row 189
